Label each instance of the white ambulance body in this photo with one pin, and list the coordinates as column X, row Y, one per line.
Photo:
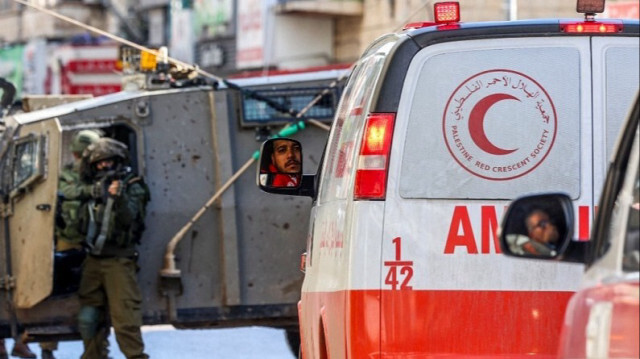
column 438, row 128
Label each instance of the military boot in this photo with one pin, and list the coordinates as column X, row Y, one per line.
column 47, row 354
column 3, row 350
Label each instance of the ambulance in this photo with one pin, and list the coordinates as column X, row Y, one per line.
column 439, row 126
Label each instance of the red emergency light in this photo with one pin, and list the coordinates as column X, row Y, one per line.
column 592, row 27
column 446, row 12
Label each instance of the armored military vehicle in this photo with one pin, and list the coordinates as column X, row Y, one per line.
column 231, row 262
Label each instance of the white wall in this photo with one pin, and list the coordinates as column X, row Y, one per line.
column 301, row 41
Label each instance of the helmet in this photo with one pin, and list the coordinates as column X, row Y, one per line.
column 106, row 148
column 82, row 139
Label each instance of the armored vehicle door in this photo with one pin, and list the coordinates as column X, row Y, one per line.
column 33, row 178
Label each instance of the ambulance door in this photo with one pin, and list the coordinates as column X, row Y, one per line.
column 479, row 123
column 34, row 181
column 616, row 68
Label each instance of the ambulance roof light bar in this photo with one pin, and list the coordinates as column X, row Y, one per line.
column 590, row 26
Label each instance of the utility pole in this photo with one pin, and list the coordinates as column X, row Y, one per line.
column 512, row 9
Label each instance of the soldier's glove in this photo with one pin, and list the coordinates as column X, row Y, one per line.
column 98, row 190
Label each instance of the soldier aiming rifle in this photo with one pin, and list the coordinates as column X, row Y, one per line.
column 115, row 221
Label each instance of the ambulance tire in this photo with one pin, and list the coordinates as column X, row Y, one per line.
column 293, row 339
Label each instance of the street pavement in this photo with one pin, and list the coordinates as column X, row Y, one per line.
column 165, row 342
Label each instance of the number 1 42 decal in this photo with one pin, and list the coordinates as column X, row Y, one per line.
column 400, row 271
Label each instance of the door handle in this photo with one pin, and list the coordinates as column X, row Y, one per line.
column 43, row 207
column 303, row 262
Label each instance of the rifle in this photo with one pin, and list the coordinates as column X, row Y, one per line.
column 121, row 174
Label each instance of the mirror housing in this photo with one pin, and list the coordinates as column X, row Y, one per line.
column 280, row 168
column 541, row 226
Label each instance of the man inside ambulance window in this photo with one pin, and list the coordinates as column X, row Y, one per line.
column 286, row 163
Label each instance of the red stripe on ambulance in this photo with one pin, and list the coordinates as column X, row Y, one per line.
column 436, row 323
column 584, row 223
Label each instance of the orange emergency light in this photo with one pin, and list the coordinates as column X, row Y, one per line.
column 148, row 61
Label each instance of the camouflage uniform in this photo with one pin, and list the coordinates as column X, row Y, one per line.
column 73, row 192
column 109, row 275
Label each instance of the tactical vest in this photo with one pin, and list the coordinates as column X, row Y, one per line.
column 122, row 234
column 68, row 222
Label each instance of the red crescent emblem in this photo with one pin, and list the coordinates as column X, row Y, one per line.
column 476, row 123
column 524, row 130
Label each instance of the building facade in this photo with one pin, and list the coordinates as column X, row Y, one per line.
column 228, row 37
column 40, row 53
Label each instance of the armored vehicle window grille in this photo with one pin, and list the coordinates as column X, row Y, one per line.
column 25, row 162
column 257, row 112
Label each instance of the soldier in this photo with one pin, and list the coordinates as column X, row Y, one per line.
column 115, row 224
column 73, row 192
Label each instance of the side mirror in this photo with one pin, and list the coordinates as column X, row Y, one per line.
column 538, row 226
column 280, row 164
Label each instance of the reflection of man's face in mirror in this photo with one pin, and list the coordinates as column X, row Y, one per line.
column 540, row 228
column 286, row 156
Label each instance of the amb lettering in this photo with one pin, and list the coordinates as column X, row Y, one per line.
column 462, row 238
column 461, row 232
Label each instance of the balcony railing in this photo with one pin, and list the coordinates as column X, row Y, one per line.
column 321, row 7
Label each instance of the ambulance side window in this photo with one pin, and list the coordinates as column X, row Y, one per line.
column 26, row 162
column 492, row 123
column 337, row 175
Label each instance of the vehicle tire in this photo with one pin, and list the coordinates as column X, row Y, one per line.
column 293, row 339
